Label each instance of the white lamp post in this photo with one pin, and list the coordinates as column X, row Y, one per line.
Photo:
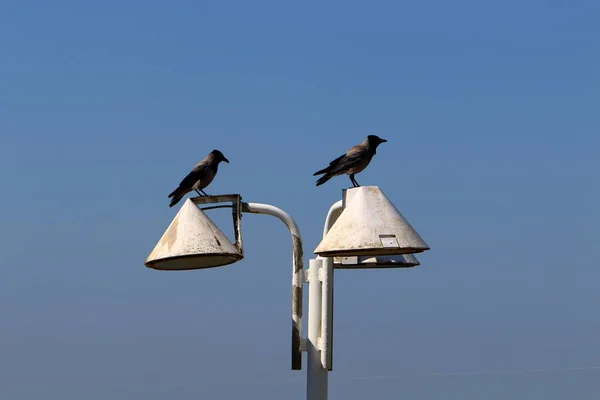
column 193, row 241
column 364, row 230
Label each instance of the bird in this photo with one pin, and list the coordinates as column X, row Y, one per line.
column 200, row 177
column 356, row 159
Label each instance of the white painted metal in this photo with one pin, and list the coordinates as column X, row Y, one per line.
column 192, row 241
column 297, row 274
column 327, row 276
column 363, row 262
column 327, row 300
column 317, row 376
column 370, row 225
column 364, row 229
column 327, row 314
column 332, row 215
column 236, row 212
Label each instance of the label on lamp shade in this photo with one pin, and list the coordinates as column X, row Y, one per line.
column 389, row 241
column 346, row 260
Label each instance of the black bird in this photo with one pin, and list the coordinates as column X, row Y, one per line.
column 200, row 177
column 354, row 161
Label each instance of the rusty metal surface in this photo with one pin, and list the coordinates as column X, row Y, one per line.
column 221, row 198
column 236, row 214
column 298, row 274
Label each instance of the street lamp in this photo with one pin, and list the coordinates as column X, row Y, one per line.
column 193, row 241
column 363, row 230
column 370, row 225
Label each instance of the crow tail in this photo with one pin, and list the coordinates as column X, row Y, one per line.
column 177, row 195
column 323, row 171
column 324, row 179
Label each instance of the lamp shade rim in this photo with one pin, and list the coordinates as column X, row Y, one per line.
column 372, row 251
column 229, row 258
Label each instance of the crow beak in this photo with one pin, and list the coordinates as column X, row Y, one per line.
column 226, row 160
column 383, row 140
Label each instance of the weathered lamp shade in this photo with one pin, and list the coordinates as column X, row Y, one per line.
column 370, row 225
column 366, row 262
column 192, row 241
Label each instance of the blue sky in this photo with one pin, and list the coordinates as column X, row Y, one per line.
column 491, row 112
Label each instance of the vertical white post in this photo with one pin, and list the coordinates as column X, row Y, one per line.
column 317, row 376
column 327, row 313
column 327, row 300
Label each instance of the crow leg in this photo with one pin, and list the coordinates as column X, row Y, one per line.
column 353, row 180
column 203, row 192
column 199, row 194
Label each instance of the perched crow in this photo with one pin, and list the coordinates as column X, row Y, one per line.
column 354, row 161
column 200, row 177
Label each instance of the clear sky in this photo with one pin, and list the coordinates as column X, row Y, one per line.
column 492, row 112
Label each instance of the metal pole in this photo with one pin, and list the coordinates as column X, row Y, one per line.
column 316, row 377
column 320, row 308
column 319, row 341
column 297, row 277
column 332, row 215
column 327, row 314
column 327, row 276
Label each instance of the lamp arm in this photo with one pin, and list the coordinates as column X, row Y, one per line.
column 297, row 277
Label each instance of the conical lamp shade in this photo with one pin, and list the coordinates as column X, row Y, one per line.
column 192, row 241
column 370, row 225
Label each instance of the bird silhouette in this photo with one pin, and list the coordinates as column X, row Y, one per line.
column 356, row 159
column 199, row 178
